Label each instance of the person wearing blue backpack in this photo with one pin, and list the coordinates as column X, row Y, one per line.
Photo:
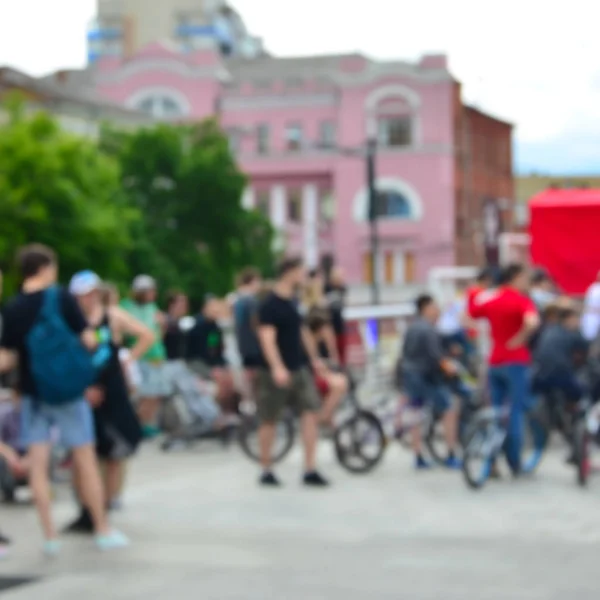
column 58, row 358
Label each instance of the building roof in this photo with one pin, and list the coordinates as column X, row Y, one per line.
column 487, row 115
column 330, row 65
column 49, row 90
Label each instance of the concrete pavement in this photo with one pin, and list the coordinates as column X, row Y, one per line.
column 202, row 528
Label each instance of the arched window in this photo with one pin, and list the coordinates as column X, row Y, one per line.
column 391, row 204
column 161, row 104
column 160, row 107
column 396, row 200
column 392, row 114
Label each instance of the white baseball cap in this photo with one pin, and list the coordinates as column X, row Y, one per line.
column 143, row 283
column 84, row 282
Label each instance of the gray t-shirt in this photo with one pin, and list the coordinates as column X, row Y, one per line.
column 556, row 349
column 422, row 349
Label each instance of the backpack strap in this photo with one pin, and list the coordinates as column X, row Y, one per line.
column 50, row 305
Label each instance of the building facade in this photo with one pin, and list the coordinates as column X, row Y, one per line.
column 77, row 110
column 299, row 127
column 123, row 27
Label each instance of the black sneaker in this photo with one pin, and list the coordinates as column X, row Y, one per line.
column 269, row 479
column 315, row 479
column 82, row 524
column 4, row 541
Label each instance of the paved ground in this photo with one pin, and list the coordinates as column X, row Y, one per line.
column 203, row 529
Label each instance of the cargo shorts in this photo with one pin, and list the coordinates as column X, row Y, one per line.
column 301, row 394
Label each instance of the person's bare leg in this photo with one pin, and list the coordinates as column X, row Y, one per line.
column 113, row 477
column 122, row 479
column 416, row 439
column 266, row 437
column 90, row 486
column 338, row 387
column 310, row 436
column 450, row 422
column 39, row 482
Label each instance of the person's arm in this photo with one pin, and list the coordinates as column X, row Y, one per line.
column 435, row 351
column 310, row 345
column 267, row 336
column 531, row 322
column 125, row 324
column 8, row 360
column 77, row 322
column 8, row 345
column 328, row 337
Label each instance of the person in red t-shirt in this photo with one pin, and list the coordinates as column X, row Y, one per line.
column 513, row 318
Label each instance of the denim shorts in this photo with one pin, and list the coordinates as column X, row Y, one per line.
column 74, row 423
column 421, row 392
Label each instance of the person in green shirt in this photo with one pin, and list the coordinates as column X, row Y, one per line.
column 155, row 383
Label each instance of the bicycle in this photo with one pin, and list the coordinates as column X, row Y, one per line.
column 486, row 441
column 358, row 437
column 585, row 436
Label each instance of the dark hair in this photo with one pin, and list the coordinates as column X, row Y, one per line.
column 484, row 275
column 172, row 297
column 247, row 276
column 288, row 264
column 511, row 272
column 34, row 257
column 539, row 276
column 317, row 318
column 566, row 313
column 314, row 273
column 422, row 302
column 552, row 312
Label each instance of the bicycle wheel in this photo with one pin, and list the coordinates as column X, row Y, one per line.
column 284, row 438
column 477, row 459
column 360, row 442
column 581, row 447
column 435, row 440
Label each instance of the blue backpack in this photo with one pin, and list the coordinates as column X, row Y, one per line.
column 61, row 367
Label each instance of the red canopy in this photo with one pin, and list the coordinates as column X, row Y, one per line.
column 565, row 236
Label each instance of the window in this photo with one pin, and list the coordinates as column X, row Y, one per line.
column 327, row 206
column 293, row 137
column 235, row 140
column 160, row 106
column 394, row 132
column 367, row 268
column 263, row 202
column 327, row 134
column 410, row 271
column 262, row 138
column 295, row 205
column 392, row 205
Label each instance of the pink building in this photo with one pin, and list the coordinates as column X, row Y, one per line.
column 288, row 120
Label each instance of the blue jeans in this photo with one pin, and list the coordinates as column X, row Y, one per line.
column 420, row 391
column 562, row 382
column 511, row 383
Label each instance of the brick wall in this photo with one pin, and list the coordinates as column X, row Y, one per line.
column 483, row 150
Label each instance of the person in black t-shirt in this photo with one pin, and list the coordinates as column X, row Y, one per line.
column 38, row 267
column 284, row 375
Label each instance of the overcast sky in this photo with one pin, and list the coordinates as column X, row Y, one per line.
column 533, row 62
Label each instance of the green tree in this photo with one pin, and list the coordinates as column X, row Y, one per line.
column 195, row 234
column 60, row 190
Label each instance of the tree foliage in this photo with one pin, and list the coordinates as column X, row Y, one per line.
column 58, row 189
column 164, row 201
column 188, row 188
